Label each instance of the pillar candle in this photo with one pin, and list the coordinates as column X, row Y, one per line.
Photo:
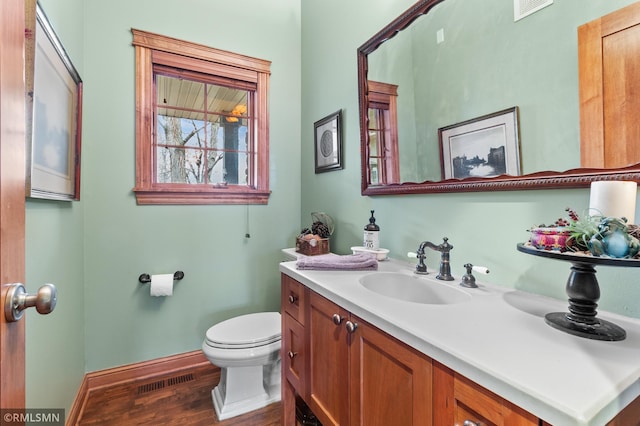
column 613, row 199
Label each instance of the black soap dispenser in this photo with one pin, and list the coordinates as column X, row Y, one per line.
column 371, row 234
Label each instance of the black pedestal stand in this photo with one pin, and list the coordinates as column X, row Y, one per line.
column 583, row 291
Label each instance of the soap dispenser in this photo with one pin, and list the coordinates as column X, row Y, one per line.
column 371, row 234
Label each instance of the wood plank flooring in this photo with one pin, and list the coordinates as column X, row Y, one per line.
column 178, row 399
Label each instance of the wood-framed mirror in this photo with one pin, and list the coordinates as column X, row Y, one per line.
column 433, row 55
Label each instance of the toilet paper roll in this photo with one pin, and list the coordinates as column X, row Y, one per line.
column 162, row 285
column 613, row 199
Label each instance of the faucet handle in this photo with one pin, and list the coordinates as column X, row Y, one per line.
column 481, row 269
column 468, row 280
column 421, row 267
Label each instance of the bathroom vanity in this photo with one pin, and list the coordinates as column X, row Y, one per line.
column 357, row 354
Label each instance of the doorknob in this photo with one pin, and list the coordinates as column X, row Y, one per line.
column 17, row 300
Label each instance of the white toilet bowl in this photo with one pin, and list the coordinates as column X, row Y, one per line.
column 247, row 350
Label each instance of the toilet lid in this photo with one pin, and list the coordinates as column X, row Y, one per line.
column 246, row 331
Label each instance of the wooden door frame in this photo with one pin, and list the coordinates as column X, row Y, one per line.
column 12, row 195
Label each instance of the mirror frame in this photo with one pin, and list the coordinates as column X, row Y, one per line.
column 574, row 178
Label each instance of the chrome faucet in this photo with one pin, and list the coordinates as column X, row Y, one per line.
column 445, row 267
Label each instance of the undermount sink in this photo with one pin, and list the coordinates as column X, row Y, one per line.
column 413, row 288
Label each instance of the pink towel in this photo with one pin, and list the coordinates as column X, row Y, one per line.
column 354, row 262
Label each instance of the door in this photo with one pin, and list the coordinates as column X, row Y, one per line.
column 609, row 66
column 12, row 195
column 390, row 383
column 328, row 373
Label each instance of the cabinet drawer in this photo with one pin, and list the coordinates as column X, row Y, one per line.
column 293, row 298
column 476, row 404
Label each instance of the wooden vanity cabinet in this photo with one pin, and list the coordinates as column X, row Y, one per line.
column 353, row 374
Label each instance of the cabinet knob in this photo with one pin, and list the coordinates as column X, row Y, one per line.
column 293, row 298
column 351, row 326
column 337, row 319
column 292, row 354
column 472, row 423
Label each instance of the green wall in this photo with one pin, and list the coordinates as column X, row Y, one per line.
column 226, row 274
column 55, row 233
column 483, row 227
column 94, row 250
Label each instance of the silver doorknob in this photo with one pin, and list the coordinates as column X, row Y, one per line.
column 17, row 300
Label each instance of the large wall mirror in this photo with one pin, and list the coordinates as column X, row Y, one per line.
column 448, row 62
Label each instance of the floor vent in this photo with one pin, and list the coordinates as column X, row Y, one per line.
column 180, row 379
column 150, row 387
column 161, row 384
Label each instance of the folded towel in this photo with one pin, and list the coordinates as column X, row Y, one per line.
column 355, row 262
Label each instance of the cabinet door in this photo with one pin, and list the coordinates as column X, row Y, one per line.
column 327, row 377
column 390, row 382
column 293, row 352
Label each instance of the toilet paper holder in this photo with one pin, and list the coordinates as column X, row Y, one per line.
column 146, row 278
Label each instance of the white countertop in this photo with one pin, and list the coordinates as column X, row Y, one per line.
column 500, row 340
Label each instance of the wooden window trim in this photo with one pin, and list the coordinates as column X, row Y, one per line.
column 156, row 49
column 387, row 94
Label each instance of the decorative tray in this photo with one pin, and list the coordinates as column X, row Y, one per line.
column 580, row 257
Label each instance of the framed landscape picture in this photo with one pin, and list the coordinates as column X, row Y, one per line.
column 54, row 119
column 485, row 146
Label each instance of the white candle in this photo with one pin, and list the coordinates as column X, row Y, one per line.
column 613, row 199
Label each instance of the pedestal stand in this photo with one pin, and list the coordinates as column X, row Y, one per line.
column 584, row 292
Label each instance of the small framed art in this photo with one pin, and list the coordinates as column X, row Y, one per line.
column 328, row 142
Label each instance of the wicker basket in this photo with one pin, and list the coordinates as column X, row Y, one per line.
column 304, row 247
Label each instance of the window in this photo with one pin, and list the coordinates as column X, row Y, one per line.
column 202, row 132
column 384, row 162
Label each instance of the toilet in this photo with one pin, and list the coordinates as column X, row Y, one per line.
column 247, row 350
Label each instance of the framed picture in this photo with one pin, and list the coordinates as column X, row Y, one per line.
column 328, row 142
column 486, row 146
column 54, row 117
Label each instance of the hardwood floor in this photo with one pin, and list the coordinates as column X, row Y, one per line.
column 177, row 399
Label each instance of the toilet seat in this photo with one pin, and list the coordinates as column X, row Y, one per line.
column 246, row 331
